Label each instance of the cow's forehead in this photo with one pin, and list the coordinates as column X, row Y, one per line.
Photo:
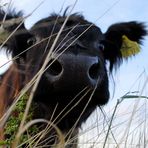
column 75, row 24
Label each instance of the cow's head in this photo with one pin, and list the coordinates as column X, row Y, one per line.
column 78, row 61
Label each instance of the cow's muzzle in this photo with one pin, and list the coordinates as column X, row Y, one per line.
column 74, row 72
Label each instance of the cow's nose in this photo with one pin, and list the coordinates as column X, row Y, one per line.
column 71, row 70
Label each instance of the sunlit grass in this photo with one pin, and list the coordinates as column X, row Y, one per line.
column 122, row 125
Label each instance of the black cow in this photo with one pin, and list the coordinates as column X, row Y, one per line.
column 77, row 80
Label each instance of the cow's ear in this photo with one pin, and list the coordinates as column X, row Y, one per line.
column 13, row 34
column 123, row 40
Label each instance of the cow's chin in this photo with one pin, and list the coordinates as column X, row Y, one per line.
column 64, row 108
column 70, row 101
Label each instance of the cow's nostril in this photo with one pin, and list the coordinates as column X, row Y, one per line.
column 94, row 71
column 55, row 69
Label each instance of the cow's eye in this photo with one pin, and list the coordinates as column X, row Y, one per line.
column 101, row 47
column 31, row 41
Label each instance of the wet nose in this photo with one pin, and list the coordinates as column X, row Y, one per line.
column 71, row 70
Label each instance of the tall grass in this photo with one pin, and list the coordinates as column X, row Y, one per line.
column 122, row 124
